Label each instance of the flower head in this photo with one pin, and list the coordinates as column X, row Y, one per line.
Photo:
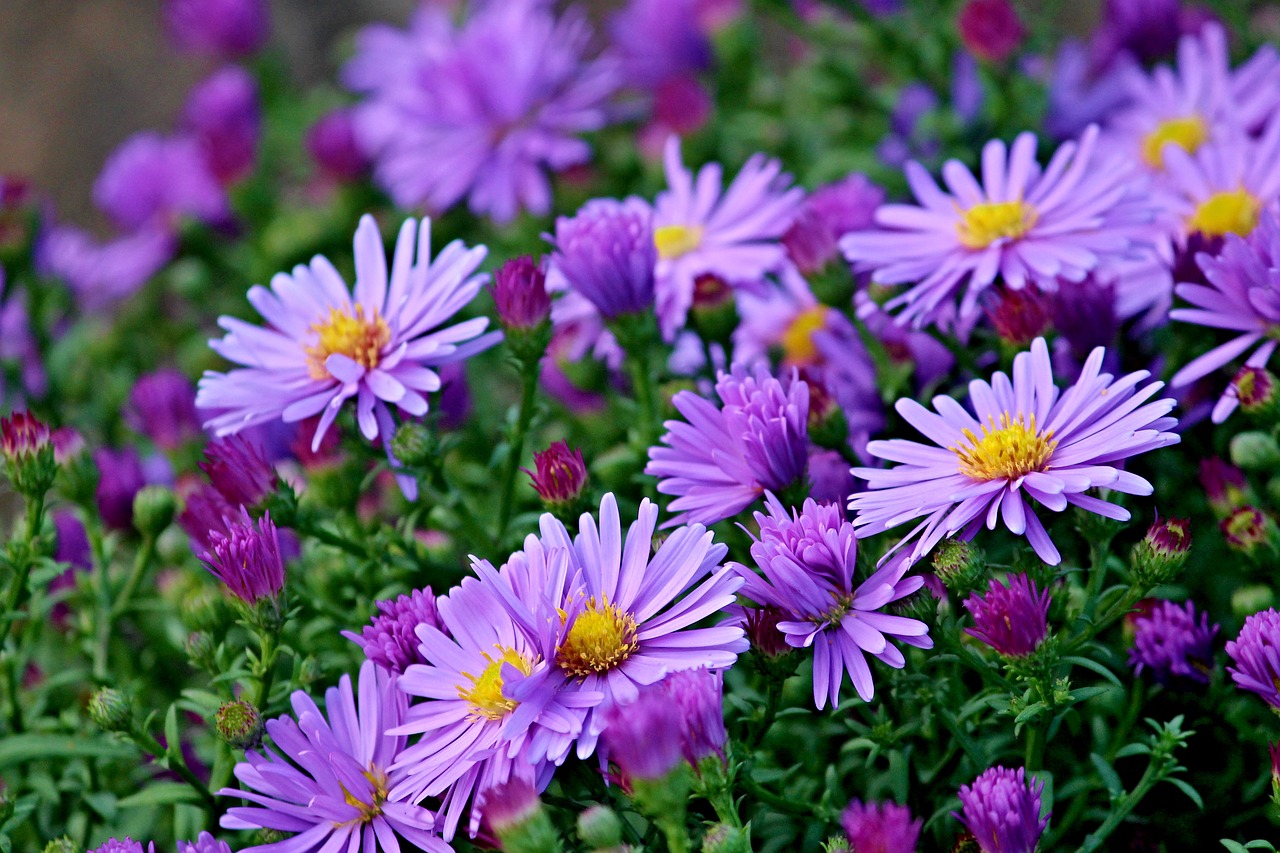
column 120, row 477
column 204, row 843
column 520, row 293
column 828, row 213
column 1256, row 655
column 1169, row 641
column 128, row 845
column 332, row 144
column 1028, row 440
column 1224, row 485
column 154, row 181
column 643, row 738
column 605, row 254
column 1002, row 810
column 1011, row 617
column 807, row 562
column 880, row 828
column 334, row 787
column 990, row 29
column 162, row 406
column 224, row 115
column 380, row 345
column 247, row 559
column 101, row 273
column 724, row 458
column 23, row 436
column 391, row 640
column 560, row 475
column 659, row 41
column 239, row 470
column 226, row 29
column 481, row 110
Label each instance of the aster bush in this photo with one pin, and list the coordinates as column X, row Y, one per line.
column 680, row 425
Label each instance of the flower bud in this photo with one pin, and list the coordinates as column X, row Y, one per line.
column 27, row 449
column 515, row 812
column 153, row 510
column 1012, row 617
column 62, row 845
column 1247, row 528
column 1255, row 388
column 200, row 648
column 828, row 426
column 990, row 29
column 1254, row 451
column 332, row 144
column 1224, row 485
column 1019, row 316
column 414, row 445
column 1274, row 749
column 1162, row 552
column 960, row 566
column 268, row 836
column 1248, row 600
column 599, row 828
column 110, row 710
column 722, row 838
column 714, row 313
column 239, row 724
column 561, row 475
column 520, row 293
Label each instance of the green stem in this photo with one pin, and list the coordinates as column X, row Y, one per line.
column 524, row 417
column 676, row 834
column 1097, row 576
column 269, row 650
column 102, row 608
column 18, row 586
column 646, row 400
column 1123, row 807
column 149, row 744
column 758, row 728
column 141, row 563
column 1037, row 733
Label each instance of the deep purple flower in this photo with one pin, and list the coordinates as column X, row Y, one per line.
column 205, row 843
column 520, row 293
column 71, row 545
column 725, row 458
column 561, row 473
column 990, row 29
column 828, row 214
column 155, row 181
column 658, row 41
column 332, row 144
column 1147, row 29
column 162, row 406
column 880, row 828
column 699, row 694
column 239, row 470
column 1169, row 641
column 120, row 476
column 481, row 110
column 223, row 114
column 1085, row 315
column 226, row 29
column 205, row 512
column 100, row 273
column 128, row 845
column 247, row 560
column 1002, row 810
column 1256, row 655
column 643, row 738
column 605, row 253
column 1224, row 485
column 807, row 559
column 1011, row 618
column 391, row 640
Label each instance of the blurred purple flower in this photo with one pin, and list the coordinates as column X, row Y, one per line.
column 880, row 828
column 162, row 406
column 155, row 181
column 102, row 273
column 120, row 477
column 1169, row 641
column 332, row 144
column 226, row 29
column 223, row 114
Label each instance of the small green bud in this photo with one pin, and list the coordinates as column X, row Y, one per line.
column 1163, row 551
column 599, row 828
column 200, row 648
column 1248, row 600
column 204, row 608
column 1255, row 388
column 239, row 724
column 722, row 838
column 836, row 844
column 966, row 843
column 1247, row 528
column 414, row 445
column 110, row 710
column 515, row 812
column 1254, row 451
column 268, row 836
column 960, row 566
column 62, row 845
column 153, row 510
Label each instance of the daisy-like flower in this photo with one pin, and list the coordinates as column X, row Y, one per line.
column 734, row 234
column 333, row 789
column 1256, row 655
column 807, row 559
column 725, row 458
column 1022, row 224
column 479, row 111
column 326, row 345
column 1170, row 642
column 1028, row 441
column 1242, row 295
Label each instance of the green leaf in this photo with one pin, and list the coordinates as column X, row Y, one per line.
column 1031, row 712
column 1185, row 787
column 1095, row 667
column 173, row 743
column 1233, row 846
column 1080, row 694
column 104, row 803
column 23, row 749
column 1133, row 749
column 1109, row 776
column 160, row 794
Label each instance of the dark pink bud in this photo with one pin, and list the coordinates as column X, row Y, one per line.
column 990, row 29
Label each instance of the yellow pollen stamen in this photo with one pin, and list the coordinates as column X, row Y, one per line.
column 1226, row 212
column 1006, row 451
column 798, row 346
column 368, row 811
column 1188, row 133
column 356, row 336
column 672, row 241
column 602, row 637
column 485, row 692
column 989, row 221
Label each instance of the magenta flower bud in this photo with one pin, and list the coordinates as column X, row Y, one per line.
column 1163, row 551
column 1018, row 316
column 247, row 559
column 68, row 444
column 1255, row 389
column 391, row 640
column 1012, row 618
column 239, row 470
column 990, row 29
column 508, row 805
column 1003, row 811
column 332, row 144
column 882, row 827
column 520, row 291
column 224, row 115
column 22, row 436
column 226, row 29
column 1224, row 485
column 1246, row 528
column 120, row 477
column 561, row 474
column 162, row 406
column 1169, row 641
column 766, row 637
column 1256, row 655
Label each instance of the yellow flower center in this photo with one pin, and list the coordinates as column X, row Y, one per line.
column 358, row 337
column 1006, row 451
column 485, row 692
column 368, row 811
column 989, row 221
column 1226, row 212
column 798, row 346
column 602, row 637
column 672, row 241
column 1188, row 133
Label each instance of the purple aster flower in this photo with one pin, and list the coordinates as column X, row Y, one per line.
column 808, row 559
column 1147, row 29
column 223, row 114
column 239, row 470
column 828, row 214
column 734, row 234
column 725, row 458
column 204, row 843
column 120, row 476
column 1241, row 294
column 1022, row 224
column 1002, row 810
column 154, row 180
column 880, row 828
column 1169, row 640
column 333, row 790
column 1256, row 655
column 1012, row 617
column 605, row 254
column 520, row 294
column 1028, row 440
column 643, row 738
column 226, row 29
column 205, row 512
column 659, row 40
column 102, row 273
column 391, row 640
column 18, row 345
column 482, row 110
column 162, row 406
column 1078, row 97
column 332, row 144
column 326, row 345
column 247, row 559
column 126, row 846
column 699, row 693
column 71, row 546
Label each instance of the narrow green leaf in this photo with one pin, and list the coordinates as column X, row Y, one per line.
column 1109, row 776
column 22, row 749
column 160, row 794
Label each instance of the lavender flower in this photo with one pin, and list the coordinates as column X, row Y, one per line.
column 808, row 559
column 205, row 843
column 102, row 273
column 1256, row 655
column 724, row 458
column 605, row 253
column 222, row 113
column 162, row 406
column 880, row 828
column 247, row 559
column 643, row 738
column 1002, row 810
column 155, row 181
column 226, row 29
column 828, row 214
column 1011, row 618
column 659, row 41
column 239, row 470
column 1170, row 641
column 1029, row 440
column 391, row 640
column 128, row 845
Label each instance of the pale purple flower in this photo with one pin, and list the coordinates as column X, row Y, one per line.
column 1002, row 810
column 18, row 345
column 605, row 255
column 1242, row 295
column 880, row 828
column 162, row 406
column 701, row 228
column 1077, row 97
column 1011, row 617
column 807, row 559
column 333, row 789
column 204, row 843
column 155, row 181
column 1029, row 440
column 391, row 640
column 1169, row 640
column 128, row 845
column 1022, row 224
column 226, row 29
column 100, row 273
column 482, row 110
column 1256, row 655
column 724, row 458
column 381, row 345
column 830, row 212
column 223, row 114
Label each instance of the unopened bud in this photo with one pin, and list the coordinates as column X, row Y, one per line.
column 414, row 445
column 153, row 510
column 1255, row 451
column 599, row 828
column 62, row 845
column 1247, row 528
column 1162, row 552
column 515, row 812
column 200, row 648
column 268, row 836
column 1255, row 388
column 561, row 475
column 722, row 838
column 239, row 724
column 1251, row 599
column 836, row 844
column 26, row 448
column 960, row 566
column 110, row 710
